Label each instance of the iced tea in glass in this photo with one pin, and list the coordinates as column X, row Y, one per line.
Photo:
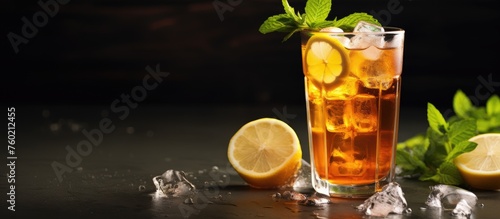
column 353, row 112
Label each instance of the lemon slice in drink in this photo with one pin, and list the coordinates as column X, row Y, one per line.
column 480, row 168
column 326, row 60
column 265, row 152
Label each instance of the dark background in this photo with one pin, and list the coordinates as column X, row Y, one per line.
column 91, row 52
column 223, row 73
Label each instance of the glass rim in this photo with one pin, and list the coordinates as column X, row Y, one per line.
column 387, row 30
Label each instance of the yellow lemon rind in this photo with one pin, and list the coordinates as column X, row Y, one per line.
column 336, row 45
column 278, row 175
column 476, row 178
column 487, row 180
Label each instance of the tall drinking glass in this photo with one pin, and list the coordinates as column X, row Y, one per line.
column 353, row 108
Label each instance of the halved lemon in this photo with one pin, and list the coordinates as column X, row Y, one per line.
column 326, row 60
column 480, row 168
column 265, row 152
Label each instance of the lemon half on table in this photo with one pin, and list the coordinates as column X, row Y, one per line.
column 265, row 152
column 480, row 168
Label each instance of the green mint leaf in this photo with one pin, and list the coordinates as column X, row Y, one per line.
column 436, row 151
column 412, row 142
column 493, row 105
column 290, row 22
column 314, row 18
column 290, row 11
column 448, row 174
column 462, row 104
column 429, row 174
column 302, row 20
column 317, row 10
column 408, row 163
column 404, row 161
column 460, row 148
column 415, row 146
column 290, row 34
column 445, row 140
column 462, row 130
column 278, row 23
column 478, row 113
column 410, row 156
column 483, row 125
column 495, row 121
column 322, row 24
column 349, row 22
column 489, row 125
column 419, row 150
column 494, row 124
column 436, row 119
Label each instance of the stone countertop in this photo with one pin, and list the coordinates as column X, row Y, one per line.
column 113, row 178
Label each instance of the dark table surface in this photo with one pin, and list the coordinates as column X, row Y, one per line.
column 113, row 179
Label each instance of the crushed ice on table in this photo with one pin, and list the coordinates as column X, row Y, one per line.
column 313, row 200
column 451, row 197
column 390, row 200
column 300, row 186
column 293, row 196
column 142, row 187
column 462, row 209
column 173, row 183
column 302, row 181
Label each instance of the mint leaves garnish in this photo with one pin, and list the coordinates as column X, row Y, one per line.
column 314, row 18
column 488, row 117
column 317, row 11
column 430, row 156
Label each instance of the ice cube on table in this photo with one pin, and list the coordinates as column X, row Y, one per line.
column 447, row 196
column 303, row 182
column 459, row 200
column 462, row 209
column 315, row 200
column 293, row 196
column 173, row 183
column 389, row 200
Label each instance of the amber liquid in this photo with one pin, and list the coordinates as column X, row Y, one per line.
column 353, row 127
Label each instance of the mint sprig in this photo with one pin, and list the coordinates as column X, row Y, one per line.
column 314, row 18
column 430, row 156
column 317, row 11
column 488, row 116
